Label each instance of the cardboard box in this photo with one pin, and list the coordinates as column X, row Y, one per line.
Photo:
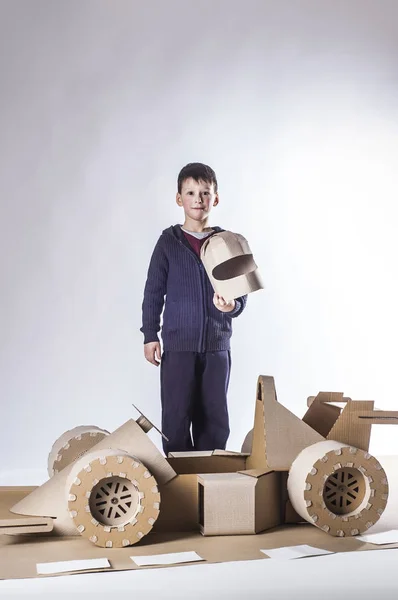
column 246, row 502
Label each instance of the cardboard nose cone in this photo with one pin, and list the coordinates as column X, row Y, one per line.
column 50, row 500
column 230, row 265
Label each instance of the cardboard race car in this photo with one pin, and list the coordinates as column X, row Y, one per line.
column 114, row 488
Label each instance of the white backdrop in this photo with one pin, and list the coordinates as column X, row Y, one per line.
column 293, row 103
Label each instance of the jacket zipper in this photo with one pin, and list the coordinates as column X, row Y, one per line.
column 202, row 339
column 204, row 330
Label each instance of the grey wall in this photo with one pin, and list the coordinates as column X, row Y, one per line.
column 294, row 104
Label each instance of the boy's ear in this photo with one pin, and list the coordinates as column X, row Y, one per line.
column 216, row 200
column 178, row 199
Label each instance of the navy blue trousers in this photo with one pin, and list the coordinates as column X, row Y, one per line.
column 194, row 390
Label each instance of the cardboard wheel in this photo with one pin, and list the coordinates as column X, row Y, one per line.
column 341, row 489
column 71, row 445
column 247, row 445
column 112, row 498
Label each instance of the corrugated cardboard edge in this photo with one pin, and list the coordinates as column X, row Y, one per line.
column 202, row 453
column 255, row 472
column 190, row 454
column 229, row 453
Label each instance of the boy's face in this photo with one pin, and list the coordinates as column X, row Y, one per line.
column 197, row 199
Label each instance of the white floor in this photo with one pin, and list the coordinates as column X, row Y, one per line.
column 354, row 575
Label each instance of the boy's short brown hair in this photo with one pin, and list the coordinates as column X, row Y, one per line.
column 198, row 172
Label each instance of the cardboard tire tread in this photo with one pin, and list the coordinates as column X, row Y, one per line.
column 112, row 498
column 71, row 445
column 339, row 488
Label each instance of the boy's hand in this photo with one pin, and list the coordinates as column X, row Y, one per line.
column 222, row 304
column 152, row 353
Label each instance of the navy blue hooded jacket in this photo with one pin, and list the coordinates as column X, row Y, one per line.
column 177, row 281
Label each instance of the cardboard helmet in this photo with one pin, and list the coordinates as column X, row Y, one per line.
column 230, row 265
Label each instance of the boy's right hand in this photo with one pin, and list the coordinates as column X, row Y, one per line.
column 152, row 353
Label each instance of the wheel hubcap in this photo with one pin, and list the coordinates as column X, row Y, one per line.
column 114, row 501
column 344, row 491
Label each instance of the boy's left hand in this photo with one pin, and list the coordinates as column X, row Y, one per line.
column 222, row 304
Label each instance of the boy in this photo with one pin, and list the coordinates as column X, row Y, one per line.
column 197, row 323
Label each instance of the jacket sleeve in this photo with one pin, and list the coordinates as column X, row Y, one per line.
column 154, row 294
column 240, row 304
